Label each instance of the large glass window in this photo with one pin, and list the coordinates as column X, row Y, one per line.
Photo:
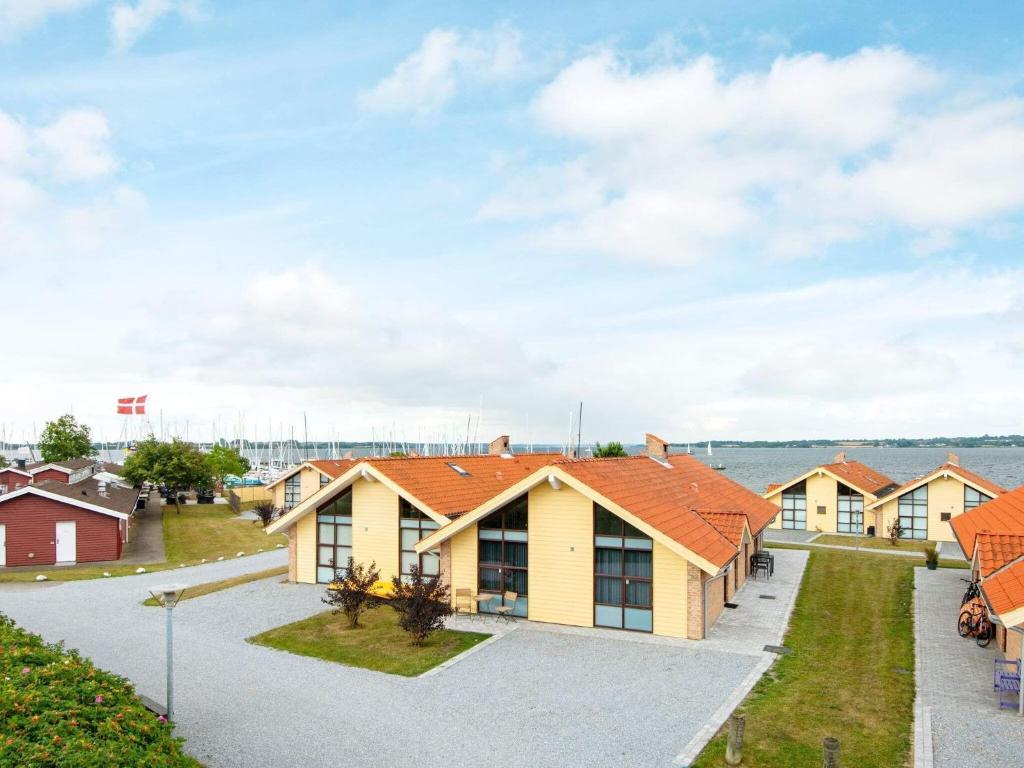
column 503, row 554
column 293, row 490
column 334, row 536
column 850, row 508
column 973, row 498
column 413, row 525
column 794, row 506
column 623, row 574
column 913, row 512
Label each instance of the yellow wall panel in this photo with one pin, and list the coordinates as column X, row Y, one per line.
column 561, row 576
column 463, row 565
column 669, row 592
column 375, row 526
column 305, row 550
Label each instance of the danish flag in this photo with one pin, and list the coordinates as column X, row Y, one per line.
column 132, row 405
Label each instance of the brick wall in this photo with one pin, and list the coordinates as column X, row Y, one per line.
column 293, row 549
column 694, row 602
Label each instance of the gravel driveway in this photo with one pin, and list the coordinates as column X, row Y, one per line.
column 536, row 697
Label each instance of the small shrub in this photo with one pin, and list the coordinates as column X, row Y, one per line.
column 351, row 590
column 931, row 556
column 895, row 531
column 265, row 511
column 610, row 450
column 57, row 709
column 422, row 605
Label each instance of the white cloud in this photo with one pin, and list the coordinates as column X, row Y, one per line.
column 682, row 161
column 19, row 16
column 447, row 59
column 129, row 22
column 76, row 146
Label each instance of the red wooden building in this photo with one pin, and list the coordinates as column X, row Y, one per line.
column 50, row 522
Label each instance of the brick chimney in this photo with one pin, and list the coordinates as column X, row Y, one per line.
column 840, row 458
column 499, row 445
column 656, row 447
column 953, row 459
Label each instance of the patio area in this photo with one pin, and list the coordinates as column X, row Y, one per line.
column 958, row 721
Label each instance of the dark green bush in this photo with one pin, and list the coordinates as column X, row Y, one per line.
column 57, row 709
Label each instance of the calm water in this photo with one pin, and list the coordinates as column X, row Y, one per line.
column 756, row 467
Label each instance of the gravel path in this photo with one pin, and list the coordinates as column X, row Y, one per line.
column 538, row 697
column 954, row 683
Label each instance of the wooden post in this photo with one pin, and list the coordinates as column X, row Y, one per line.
column 734, row 746
column 831, row 746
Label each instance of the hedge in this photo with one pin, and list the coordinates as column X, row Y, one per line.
column 57, row 709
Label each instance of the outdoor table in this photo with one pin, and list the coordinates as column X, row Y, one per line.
column 482, row 600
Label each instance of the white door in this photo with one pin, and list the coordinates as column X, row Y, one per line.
column 3, row 545
column 67, row 544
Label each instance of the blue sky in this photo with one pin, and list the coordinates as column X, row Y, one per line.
column 703, row 221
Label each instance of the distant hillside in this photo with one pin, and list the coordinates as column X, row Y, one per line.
column 984, row 441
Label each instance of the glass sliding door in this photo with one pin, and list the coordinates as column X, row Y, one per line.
column 794, row 507
column 413, row 525
column 913, row 512
column 623, row 574
column 850, row 510
column 503, row 555
column 333, row 536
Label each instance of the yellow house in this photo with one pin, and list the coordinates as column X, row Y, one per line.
column 653, row 543
column 302, row 481
column 831, row 498
column 926, row 505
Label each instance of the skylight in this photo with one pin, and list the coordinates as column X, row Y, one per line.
column 458, row 469
column 663, row 462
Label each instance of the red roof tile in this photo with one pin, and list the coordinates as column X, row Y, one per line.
column 673, row 497
column 772, row 487
column 997, row 549
column 729, row 524
column 1005, row 513
column 432, row 480
column 334, row 467
column 992, row 489
column 1005, row 591
column 861, row 476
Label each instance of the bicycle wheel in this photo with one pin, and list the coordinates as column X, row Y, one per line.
column 963, row 626
column 985, row 633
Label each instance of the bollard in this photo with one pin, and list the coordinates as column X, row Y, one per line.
column 831, row 746
column 734, row 746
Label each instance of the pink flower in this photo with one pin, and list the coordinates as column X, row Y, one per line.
column 25, row 670
column 99, row 699
column 161, row 719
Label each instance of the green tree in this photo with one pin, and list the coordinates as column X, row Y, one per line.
column 609, row 450
column 179, row 465
column 225, row 460
column 3, row 462
column 65, row 439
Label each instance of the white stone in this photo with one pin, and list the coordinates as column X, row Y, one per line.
column 220, row 558
column 106, row 574
column 40, row 577
column 140, row 570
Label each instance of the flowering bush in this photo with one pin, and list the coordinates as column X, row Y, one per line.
column 57, row 709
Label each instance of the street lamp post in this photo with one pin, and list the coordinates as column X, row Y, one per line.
column 168, row 597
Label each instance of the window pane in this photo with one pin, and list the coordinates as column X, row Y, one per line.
column 516, row 514
column 606, row 523
column 639, row 564
column 638, row 593
column 608, row 541
column 490, row 552
column 431, row 563
column 646, row 544
column 409, row 538
column 341, row 556
column 490, row 580
column 639, row 619
column 409, row 559
column 608, row 561
column 515, row 581
column 324, row 575
column 490, row 535
column 516, row 536
column 326, row 533
column 607, row 616
column 515, row 554
column 326, row 556
column 630, row 531
column 493, row 520
column 608, row 590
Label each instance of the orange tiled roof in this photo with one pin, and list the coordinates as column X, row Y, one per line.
column 1005, row 513
column 431, row 480
column 334, row 467
column 1004, row 592
column 861, row 476
column 772, row 487
column 997, row 549
column 729, row 524
column 675, row 497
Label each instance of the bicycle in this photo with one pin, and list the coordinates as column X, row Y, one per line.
column 973, row 591
column 974, row 622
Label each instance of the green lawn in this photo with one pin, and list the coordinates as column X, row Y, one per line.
column 849, row 673
column 216, row 586
column 872, row 542
column 379, row 644
column 201, row 531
